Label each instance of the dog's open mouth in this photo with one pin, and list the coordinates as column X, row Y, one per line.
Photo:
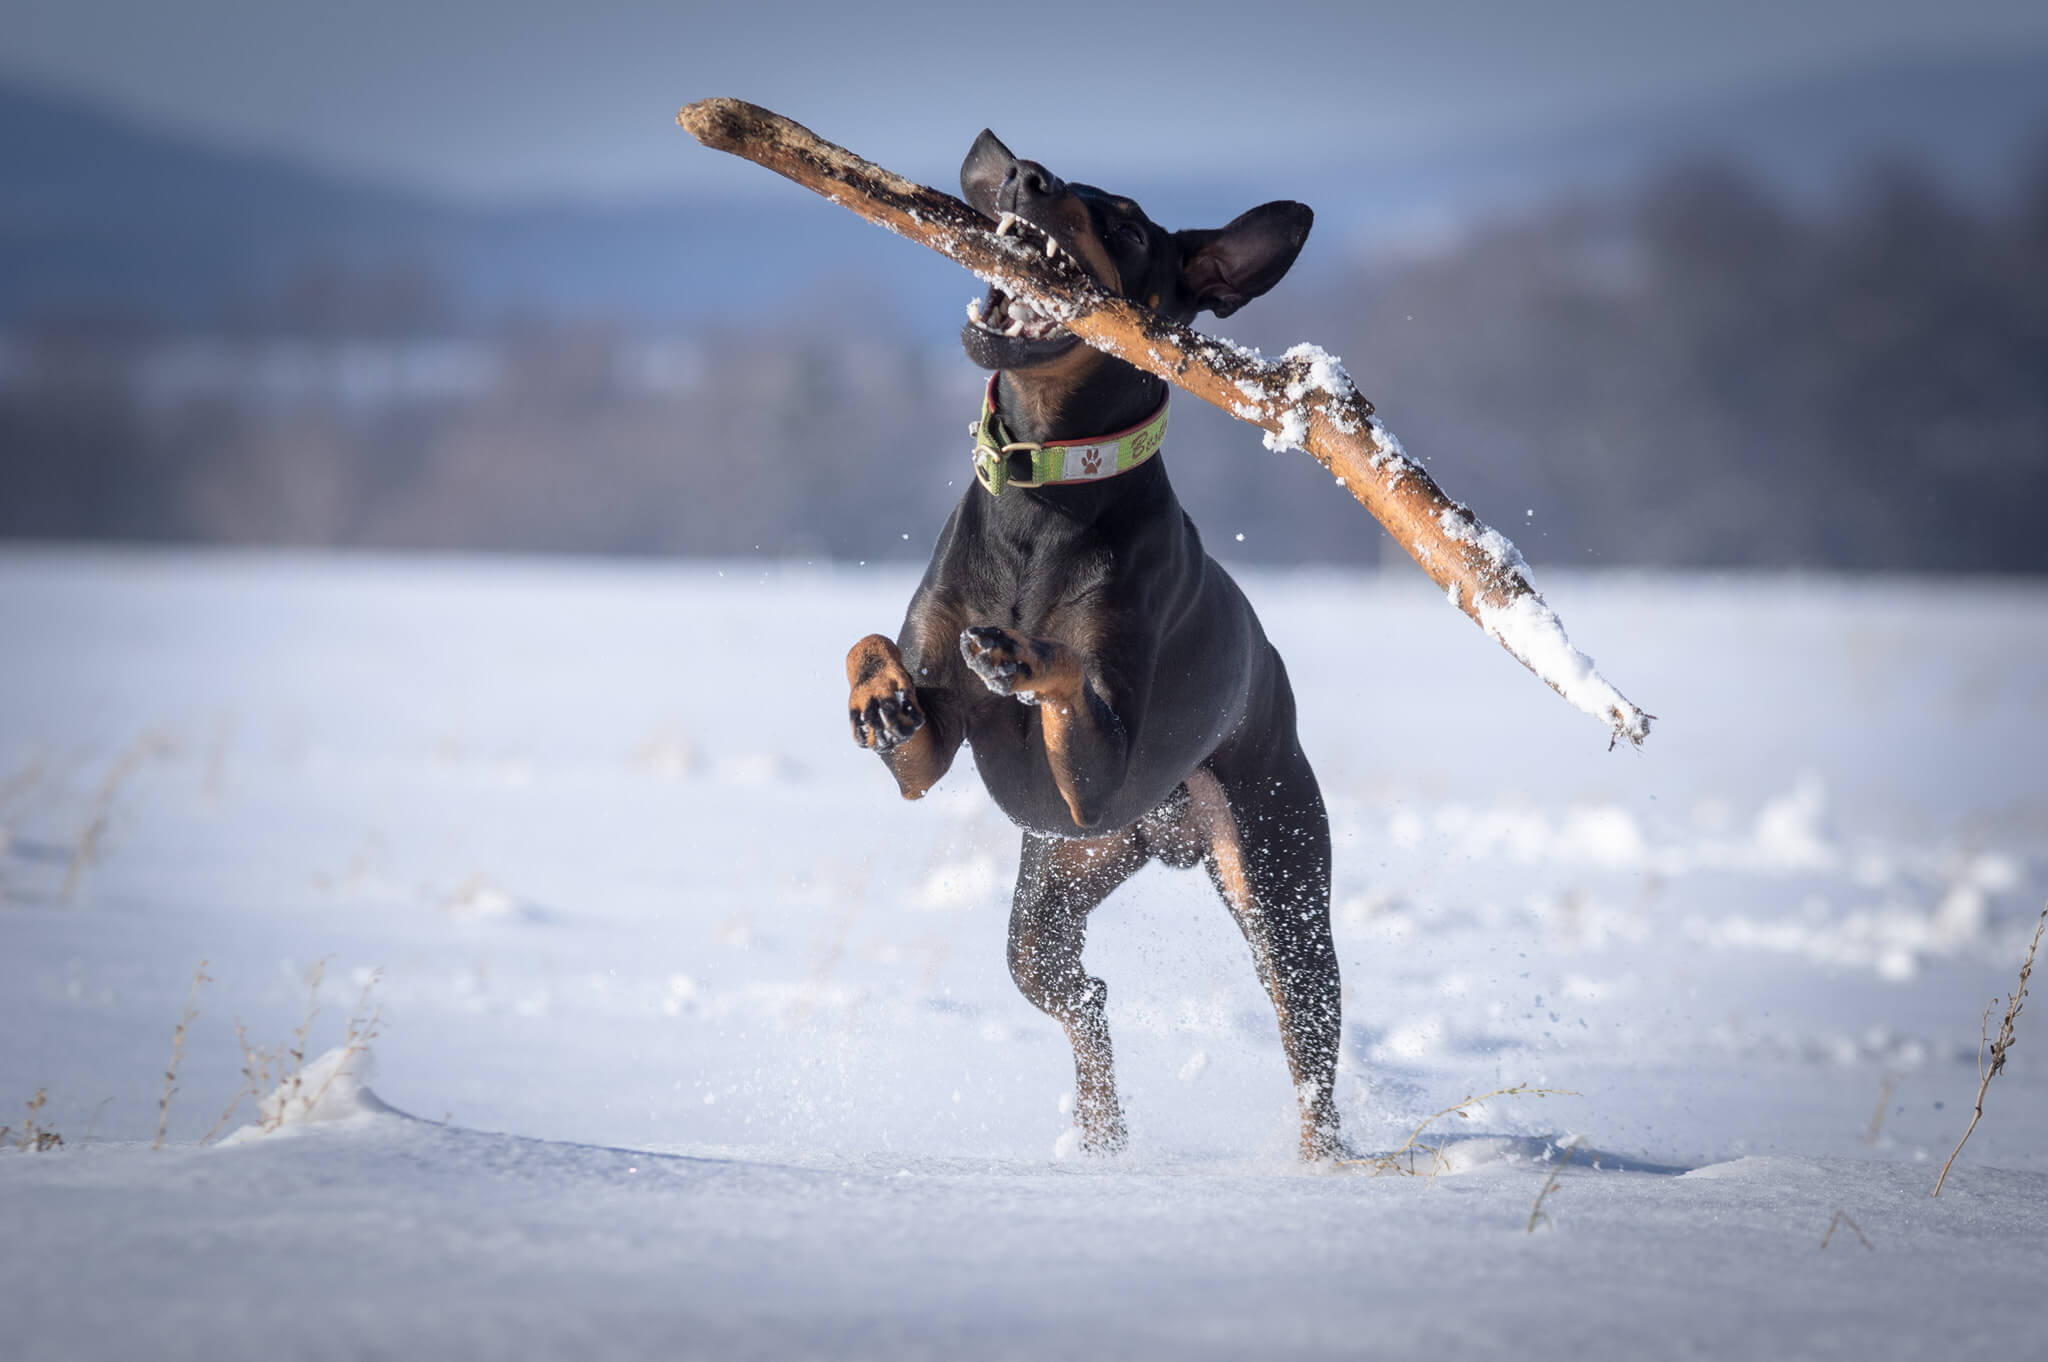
column 1008, row 332
column 1001, row 315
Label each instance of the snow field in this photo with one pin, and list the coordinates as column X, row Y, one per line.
column 764, row 1083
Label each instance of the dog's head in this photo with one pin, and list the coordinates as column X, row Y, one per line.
column 1178, row 274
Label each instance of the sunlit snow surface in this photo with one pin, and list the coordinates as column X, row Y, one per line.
column 699, row 1042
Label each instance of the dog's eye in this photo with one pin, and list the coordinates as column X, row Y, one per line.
column 1129, row 234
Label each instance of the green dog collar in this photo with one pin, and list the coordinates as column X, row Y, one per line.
column 998, row 459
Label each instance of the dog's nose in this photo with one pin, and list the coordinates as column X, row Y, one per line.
column 1027, row 183
column 996, row 182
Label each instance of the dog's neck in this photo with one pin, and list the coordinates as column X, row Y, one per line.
column 1063, row 401
column 1043, row 517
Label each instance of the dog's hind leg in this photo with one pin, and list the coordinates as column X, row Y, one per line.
column 1059, row 883
column 1268, row 840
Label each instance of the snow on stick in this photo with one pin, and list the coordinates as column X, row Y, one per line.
column 1303, row 400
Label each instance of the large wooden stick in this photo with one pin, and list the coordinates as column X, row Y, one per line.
column 1303, row 400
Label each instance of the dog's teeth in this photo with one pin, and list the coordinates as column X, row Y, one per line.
column 1052, row 248
column 1005, row 223
column 1015, row 328
column 974, row 311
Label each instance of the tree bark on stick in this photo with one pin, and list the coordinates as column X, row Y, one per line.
column 1303, row 400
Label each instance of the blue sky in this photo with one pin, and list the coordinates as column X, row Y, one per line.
column 509, row 97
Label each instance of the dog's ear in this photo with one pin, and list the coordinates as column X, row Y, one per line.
column 1224, row 268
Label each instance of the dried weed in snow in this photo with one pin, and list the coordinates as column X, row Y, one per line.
column 2013, row 1003
column 1536, row 1211
column 294, row 1080
column 1886, row 1086
column 256, row 1069
column 87, row 848
column 361, row 1029
column 300, row 1088
column 1844, row 1218
column 1401, row 1160
column 279, row 1070
column 163, row 1106
column 35, row 1137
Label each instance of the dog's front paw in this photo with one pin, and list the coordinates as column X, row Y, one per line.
column 886, row 720
column 1005, row 662
column 881, row 702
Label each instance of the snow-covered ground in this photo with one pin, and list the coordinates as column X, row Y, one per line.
column 694, row 1040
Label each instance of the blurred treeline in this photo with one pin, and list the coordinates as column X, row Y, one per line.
column 1689, row 371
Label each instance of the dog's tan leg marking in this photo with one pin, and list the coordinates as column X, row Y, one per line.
column 886, row 717
column 1062, row 706
column 1215, row 827
column 1049, row 675
column 1212, row 823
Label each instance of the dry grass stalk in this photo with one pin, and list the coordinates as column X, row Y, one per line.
column 94, row 1120
column 1844, row 1218
column 2013, row 1003
column 87, row 848
column 1401, row 1160
column 282, row 1067
column 1536, row 1211
column 256, row 1070
column 361, row 1029
column 35, row 1137
column 163, row 1106
column 293, row 1079
column 1886, row 1086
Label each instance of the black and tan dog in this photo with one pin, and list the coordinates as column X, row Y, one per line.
column 1122, row 701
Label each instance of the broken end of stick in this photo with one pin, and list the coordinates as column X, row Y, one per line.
column 792, row 150
column 1627, row 723
column 1529, row 629
column 722, row 124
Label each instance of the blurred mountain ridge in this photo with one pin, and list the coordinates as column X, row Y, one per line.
column 101, row 212
column 1807, row 330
